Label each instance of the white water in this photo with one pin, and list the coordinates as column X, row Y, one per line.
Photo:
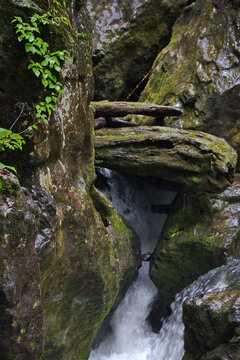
column 132, row 337
column 133, row 198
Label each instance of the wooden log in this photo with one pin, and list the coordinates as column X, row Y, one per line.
column 124, row 108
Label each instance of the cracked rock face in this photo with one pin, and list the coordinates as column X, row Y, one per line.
column 200, row 72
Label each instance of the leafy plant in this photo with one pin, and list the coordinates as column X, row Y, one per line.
column 44, row 63
column 12, row 141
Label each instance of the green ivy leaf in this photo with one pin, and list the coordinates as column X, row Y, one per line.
column 44, row 82
column 57, row 68
column 36, row 72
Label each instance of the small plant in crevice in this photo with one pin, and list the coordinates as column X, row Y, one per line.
column 176, row 233
column 10, row 141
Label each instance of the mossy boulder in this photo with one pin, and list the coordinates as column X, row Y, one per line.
column 130, row 55
column 200, row 72
column 199, row 234
column 212, row 326
column 200, row 160
column 20, row 300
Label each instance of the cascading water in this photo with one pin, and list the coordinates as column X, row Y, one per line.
column 132, row 336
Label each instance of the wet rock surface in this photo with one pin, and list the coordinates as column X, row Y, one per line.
column 197, row 159
column 201, row 231
column 212, row 326
column 108, row 17
column 200, row 72
column 131, row 50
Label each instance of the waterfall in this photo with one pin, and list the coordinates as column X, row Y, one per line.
column 132, row 337
column 133, row 198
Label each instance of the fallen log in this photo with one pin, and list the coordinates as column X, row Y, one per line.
column 118, row 108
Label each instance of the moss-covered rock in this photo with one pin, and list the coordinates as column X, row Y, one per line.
column 82, row 267
column 20, row 302
column 130, row 56
column 199, row 234
column 125, row 244
column 212, row 326
column 200, row 71
column 200, row 160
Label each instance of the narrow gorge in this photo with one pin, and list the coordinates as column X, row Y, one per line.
column 119, row 180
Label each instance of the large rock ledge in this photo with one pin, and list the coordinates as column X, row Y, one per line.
column 189, row 157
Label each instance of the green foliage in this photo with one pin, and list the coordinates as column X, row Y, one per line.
column 11, row 141
column 44, row 63
column 176, row 233
column 3, row 166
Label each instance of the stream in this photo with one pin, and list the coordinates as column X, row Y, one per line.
column 132, row 337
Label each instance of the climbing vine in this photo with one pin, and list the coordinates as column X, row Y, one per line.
column 45, row 64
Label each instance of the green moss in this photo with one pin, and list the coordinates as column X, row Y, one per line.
column 9, row 186
column 189, row 75
column 119, row 226
column 191, row 245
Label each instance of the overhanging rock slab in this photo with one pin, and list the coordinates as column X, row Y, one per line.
column 197, row 159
